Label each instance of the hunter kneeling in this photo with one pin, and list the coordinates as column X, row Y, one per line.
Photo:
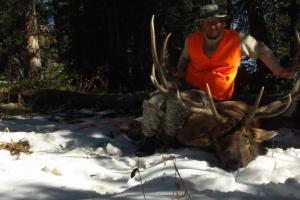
column 195, row 108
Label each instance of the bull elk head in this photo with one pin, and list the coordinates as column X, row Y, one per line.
column 230, row 128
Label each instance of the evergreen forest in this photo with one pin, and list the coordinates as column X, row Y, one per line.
column 103, row 46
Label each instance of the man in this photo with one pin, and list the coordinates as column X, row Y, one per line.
column 211, row 56
column 216, row 63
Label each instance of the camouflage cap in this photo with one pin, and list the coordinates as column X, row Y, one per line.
column 212, row 11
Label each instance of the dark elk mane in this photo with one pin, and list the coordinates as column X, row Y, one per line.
column 230, row 128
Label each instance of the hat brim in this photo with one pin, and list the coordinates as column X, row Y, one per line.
column 222, row 17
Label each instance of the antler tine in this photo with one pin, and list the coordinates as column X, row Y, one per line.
column 155, row 82
column 277, row 108
column 297, row 36
column 197, row 108
column 217, row 116
column 296, row 89
column 250, row 115
column 191, row 102
column 296, row 61
column 156, row 62
column 163, row 55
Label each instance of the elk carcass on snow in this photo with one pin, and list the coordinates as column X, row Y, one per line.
column 230, row 128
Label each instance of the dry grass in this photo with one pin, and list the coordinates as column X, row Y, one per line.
column 15, row 148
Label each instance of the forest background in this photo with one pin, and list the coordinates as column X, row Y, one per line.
column 103, row 46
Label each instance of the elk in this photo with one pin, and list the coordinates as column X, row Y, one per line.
column 229, row 128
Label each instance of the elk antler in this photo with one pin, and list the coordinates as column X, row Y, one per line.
column 297, row 36
column 156, row 62
column 195, row 107
column 218, row 117
column 250, row 115
column 279, row 107
column 296, row 62
column 274, row 108
column 247, row 119
column 161, row 88
column 191, row 105
column 167, row 87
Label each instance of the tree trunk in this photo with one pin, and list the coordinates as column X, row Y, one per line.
column 32, row 48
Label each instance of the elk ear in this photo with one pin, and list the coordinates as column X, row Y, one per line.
column 261, row 135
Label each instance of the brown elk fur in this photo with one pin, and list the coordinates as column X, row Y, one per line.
column 236, row 149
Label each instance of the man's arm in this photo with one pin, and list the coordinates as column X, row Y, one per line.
column 254, row 49
column 183, row 62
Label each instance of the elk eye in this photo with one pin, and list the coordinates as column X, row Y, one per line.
column 244, row 140
column 227, row 152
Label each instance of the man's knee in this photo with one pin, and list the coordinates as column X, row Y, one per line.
column 157, row 100
column 152, row 115
column 174, row 117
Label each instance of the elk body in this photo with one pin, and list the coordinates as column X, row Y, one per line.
column 229, row 128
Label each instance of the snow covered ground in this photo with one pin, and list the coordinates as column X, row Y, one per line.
column 88, row 158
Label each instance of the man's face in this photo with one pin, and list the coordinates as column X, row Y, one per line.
column 212, row 27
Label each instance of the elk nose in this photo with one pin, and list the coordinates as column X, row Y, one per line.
column 233, row 165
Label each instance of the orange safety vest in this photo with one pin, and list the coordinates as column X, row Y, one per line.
column 219, row 70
